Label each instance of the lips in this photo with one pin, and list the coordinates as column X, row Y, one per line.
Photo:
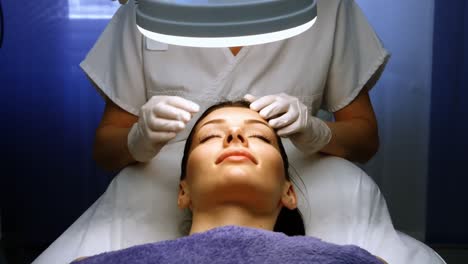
column 235, row 152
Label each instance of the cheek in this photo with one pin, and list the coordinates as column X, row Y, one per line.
column 198, row 163
column 271, row 163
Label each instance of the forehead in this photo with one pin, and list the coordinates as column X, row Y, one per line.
column 232, row 114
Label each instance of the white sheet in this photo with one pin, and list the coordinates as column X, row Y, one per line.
column 344, row 207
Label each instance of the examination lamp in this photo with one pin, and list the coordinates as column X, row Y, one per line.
column 224, row 23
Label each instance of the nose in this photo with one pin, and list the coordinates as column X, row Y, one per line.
column 236, row 136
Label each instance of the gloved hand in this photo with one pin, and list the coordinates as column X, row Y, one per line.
column 160, row 119
column 291, row 119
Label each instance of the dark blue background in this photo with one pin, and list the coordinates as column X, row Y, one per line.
column 51, row 112
column 447, row 209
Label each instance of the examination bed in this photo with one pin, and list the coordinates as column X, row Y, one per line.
column 340, row 204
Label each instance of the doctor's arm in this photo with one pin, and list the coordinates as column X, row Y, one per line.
column 354, row 132
column 355, row 135
column 110, row 146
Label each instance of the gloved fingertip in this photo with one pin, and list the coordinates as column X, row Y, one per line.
column 250, row 98
column 195, row 108
column 185, row 118
column 181, row 125
column 283, row 133
column 264, row 114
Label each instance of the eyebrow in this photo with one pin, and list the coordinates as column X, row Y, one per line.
column 248, row 121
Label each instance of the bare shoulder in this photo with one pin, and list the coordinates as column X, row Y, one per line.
column 383, row 261
column 78, row 259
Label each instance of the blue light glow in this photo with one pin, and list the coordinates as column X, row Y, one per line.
column 91, row 9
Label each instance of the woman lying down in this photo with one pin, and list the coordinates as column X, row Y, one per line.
column 235, row 183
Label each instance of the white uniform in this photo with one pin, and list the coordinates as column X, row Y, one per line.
column 325, row 67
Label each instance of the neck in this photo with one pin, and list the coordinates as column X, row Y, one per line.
column 235, row 50
column 230, row 215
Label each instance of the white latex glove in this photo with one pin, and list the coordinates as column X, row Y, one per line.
column 160, row 119
column 290, row 118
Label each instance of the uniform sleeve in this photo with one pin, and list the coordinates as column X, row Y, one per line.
column 357, row 55
column 114, row 63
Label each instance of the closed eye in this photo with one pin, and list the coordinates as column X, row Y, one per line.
column 204, row 139
column 267, row 140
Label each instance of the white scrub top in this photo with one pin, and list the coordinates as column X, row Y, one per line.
column 325, row 67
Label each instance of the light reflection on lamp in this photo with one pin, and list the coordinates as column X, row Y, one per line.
column 224, row 23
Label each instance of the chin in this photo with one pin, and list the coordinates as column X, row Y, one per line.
column 241, row 180
column 237, row 172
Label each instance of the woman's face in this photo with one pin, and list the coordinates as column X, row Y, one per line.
column 234, row 157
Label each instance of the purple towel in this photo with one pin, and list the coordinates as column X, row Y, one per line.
column 234, row 244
